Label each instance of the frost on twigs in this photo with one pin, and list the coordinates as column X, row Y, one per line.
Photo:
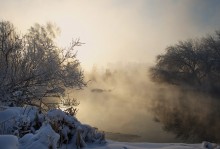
column 33, row 66
column 72, row 131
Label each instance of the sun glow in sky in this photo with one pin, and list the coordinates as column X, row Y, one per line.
column 117, row 30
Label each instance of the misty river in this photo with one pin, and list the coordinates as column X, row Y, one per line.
column 122, row 120
column 129, row 107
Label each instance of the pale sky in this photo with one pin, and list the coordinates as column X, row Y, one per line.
column 117, row 30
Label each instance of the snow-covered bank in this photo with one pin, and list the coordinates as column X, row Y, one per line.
column 40, row 142
column 125, row 145
column 28, row 128
column 53, row 129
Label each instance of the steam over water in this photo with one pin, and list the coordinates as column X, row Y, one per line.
column 122, row 100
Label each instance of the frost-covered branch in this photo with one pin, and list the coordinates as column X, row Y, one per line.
column 34, row 61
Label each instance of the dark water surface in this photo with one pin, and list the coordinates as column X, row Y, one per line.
column 127, row 105
column 162, row 119
column 122, row 119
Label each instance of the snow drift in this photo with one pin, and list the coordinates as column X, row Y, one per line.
column 8, row 142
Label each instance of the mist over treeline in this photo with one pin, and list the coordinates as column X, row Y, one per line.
column 188, row 106
column 192, row 64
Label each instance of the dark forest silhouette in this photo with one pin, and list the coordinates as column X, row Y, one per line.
column 188, row 104
column 193, row 64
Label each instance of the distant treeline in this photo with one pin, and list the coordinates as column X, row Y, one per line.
column 193, row 64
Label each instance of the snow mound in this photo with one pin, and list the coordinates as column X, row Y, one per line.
column 209, row 145
column 57, row 115
column 44, row 138
column 72, row 131
column 53, row 129
column 8, row 142
column 9, row 113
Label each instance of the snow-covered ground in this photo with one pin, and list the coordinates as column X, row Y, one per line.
column 11, row 142
column 28, row 128
column 125, row 145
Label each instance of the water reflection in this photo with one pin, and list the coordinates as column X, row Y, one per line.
column 190, row 116
column 125, row 101
column 121, row 117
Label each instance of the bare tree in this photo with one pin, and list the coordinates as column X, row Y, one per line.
column 193, row 63
column 33, row 66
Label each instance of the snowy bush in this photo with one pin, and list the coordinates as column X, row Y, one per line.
column 49, row 130
column 72, row 131
column 44, row 138
column 19, row 121
column 34, row 66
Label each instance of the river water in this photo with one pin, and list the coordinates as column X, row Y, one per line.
column 160, row 120
column 129, row 107
column 121, row 118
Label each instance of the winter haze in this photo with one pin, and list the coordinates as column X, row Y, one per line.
column 122, row 39
column 118, row 30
